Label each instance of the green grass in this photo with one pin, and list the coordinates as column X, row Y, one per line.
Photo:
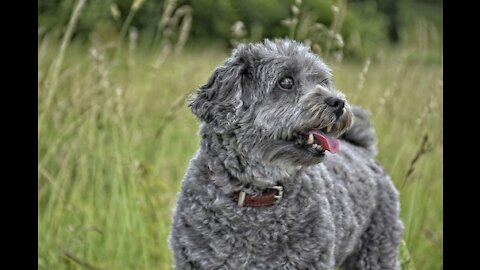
column 115, row 140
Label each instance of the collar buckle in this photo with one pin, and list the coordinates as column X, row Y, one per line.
column 279, row 195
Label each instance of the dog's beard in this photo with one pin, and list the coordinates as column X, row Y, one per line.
column 299, row 145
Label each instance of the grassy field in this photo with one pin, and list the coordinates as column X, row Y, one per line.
column 115, row 136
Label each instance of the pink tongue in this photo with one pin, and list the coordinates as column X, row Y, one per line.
column 327, row 142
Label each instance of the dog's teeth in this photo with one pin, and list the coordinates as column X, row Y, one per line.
column 317, row 147
column 344, row 110
column 310, row 139
column 329, row 128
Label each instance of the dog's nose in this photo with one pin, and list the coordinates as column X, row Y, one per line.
column 336, row 104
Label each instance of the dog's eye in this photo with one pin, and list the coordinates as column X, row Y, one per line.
column 286, row 83
column 324, row 82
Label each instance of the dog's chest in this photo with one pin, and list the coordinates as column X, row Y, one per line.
column 323, row 213
column 296, row 232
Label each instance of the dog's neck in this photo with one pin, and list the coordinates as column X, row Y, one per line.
column 234, row 171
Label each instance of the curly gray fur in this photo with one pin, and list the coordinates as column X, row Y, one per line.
column 338, row 210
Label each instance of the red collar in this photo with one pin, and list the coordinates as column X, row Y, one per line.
column 270, row 196
column 265, row 199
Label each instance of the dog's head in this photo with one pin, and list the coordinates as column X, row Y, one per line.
column 276, row 102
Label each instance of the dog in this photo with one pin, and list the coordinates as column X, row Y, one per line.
column 285, row 176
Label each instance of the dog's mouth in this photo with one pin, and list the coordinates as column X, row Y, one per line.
column 318, row 140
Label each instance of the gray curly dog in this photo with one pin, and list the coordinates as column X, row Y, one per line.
column 286, row 176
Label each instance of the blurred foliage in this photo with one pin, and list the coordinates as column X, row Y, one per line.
column 366, row 23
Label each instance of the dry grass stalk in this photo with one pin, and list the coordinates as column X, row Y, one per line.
column 171, row 113
column 363, row 74
column 77, row 260
column 322, row 39
column 168, row 26
column 55, row 69
column 425, row 147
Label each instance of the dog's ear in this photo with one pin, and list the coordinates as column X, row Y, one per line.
column 219, row 100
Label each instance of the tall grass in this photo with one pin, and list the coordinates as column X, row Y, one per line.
column 107, row 177
column 410, row 143
column 114, row 140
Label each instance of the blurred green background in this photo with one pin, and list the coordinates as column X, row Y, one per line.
column 115, row 134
